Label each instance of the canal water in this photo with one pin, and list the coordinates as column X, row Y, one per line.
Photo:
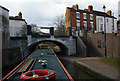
column 77, row 72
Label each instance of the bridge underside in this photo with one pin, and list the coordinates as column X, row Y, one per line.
column 63, row 48
column 66, row 44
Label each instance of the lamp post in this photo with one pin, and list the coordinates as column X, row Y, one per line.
column 104, row 8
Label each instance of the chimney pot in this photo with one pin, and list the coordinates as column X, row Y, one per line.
column 20, row 15
column 109, row 12
column 90, row 8
column 75, row 6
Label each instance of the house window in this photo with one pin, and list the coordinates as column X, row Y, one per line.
column 91, row 25
column 102, row 20
column 78, row 24
column 85, row 25
column 91, row 16
column 112, row 20
column 77, row 20
column 77, row 15
column 107, row 20
column 101, row 27
column 84, row 16
column 112, row 24
column 98, row 24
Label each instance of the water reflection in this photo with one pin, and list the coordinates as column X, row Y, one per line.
column 77, row 72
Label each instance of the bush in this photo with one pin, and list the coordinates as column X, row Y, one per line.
column 111, row 60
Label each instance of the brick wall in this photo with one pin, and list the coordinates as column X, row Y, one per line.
column 67, row 17
column 11, row 56
column 94, row 22
column 81, row 21
column 73, row 19
column 70, row 17
column 96, row 40
column 88, row 21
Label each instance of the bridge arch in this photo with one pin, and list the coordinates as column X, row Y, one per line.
column 64, row 48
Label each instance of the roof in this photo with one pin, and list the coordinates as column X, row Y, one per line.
column 17, row 18
column 4, row 8
column 98, row 13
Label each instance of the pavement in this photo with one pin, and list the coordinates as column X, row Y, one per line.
column 97, row 65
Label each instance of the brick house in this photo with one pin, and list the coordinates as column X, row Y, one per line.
column 89, row 20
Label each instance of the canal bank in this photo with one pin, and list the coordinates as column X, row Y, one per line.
column 95, row 66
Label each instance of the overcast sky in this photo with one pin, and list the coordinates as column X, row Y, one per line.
column 42, row 12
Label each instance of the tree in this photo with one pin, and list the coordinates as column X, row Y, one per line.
column 59, row 22
column 34, row 28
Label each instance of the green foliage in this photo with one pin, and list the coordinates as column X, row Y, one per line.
column 34, row 27
column 59, row 22
column 60, row 31
column 111, row 60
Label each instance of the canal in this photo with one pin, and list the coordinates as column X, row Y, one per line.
column 77, row 72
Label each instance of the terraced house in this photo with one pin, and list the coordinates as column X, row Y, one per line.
column 90, row 20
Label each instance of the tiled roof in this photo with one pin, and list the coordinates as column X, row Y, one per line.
column 98, row 13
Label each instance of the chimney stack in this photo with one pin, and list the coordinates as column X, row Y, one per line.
column 75, row 6
column 90, row 8
column 20, row 15
column 109, row 12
